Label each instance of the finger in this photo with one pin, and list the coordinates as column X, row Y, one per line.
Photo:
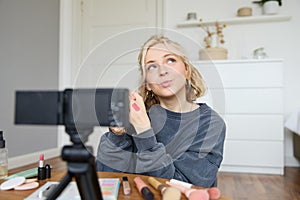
column 133, row 95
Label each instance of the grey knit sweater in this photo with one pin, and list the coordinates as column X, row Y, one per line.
column 184, row 146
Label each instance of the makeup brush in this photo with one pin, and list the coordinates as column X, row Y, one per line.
column 190, row 193
column 168, row 193
column 214, row 192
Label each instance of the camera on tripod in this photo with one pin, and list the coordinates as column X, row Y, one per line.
column 79, row 110
column 73, row 107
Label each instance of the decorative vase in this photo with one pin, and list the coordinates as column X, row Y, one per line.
column 270, row 7
column 215, row 53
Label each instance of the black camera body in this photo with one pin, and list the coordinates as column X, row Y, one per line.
column 82, row 108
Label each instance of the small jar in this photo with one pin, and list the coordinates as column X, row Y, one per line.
column 191, row 16
column 259, row 53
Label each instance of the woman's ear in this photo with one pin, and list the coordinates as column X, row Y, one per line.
column 148, row 87
column 187, row 72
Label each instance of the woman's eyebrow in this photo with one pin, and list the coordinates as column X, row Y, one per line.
column 169, row 54
column 164, row 56
column 150, row 61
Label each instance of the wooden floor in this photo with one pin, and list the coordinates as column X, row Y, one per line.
column 241, row 186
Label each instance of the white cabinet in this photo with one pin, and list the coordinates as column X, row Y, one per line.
column 249, row 95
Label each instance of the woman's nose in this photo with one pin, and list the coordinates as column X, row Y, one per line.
column 163, row 70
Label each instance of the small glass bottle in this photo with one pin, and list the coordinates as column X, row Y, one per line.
column 3, row 157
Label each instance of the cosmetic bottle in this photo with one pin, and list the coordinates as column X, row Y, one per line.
column 3, row 157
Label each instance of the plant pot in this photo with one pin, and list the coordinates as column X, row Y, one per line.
column 271, row 8
column 216, row 53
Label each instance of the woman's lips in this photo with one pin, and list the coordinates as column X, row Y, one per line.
column 166, row 83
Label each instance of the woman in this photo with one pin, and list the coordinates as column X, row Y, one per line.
column 171, row 136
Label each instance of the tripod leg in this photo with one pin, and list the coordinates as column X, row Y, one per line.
column 88, row 183
column 60, row 187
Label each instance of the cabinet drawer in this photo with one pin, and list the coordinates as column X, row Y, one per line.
column 241, row 75
column 253, row 153
column 254, row 127
column 254, row 101
column 245, row 101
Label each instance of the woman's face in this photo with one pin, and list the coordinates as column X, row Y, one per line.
column 165, row 72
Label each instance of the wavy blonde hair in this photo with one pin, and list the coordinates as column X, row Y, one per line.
column 195, row 86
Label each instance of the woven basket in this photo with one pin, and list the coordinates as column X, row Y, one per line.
column 244, row 11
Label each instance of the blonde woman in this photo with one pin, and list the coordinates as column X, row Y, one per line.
column 171, row 136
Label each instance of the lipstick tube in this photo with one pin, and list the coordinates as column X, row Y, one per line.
column 41, row 168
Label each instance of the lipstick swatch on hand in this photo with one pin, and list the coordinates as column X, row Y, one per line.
column 135, row 107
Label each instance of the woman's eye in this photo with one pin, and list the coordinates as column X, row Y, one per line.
column 171, row 60
column 151, row 67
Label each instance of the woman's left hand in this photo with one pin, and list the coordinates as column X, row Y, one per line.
column 138, row 115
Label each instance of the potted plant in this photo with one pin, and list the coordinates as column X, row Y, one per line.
column 213, row 41
column 270, row 7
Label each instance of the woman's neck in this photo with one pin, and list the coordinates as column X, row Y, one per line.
column 175, row 105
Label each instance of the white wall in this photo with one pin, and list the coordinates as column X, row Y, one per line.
column 280, row 40
column 28, row 61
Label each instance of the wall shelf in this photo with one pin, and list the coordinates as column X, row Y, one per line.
column 237, row 20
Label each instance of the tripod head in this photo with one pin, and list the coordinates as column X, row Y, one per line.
column 78, row 136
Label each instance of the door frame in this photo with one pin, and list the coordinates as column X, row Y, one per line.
column 65, row 56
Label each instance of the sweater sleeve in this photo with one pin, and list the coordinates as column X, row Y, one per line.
column 152, row 158
column 115, row 153
column 199, row 165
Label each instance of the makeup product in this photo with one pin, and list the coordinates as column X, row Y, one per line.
column 168, row 193
column 30, row 180
column 47, row 171
column 126, row 185
column 143, row 188
column 41, row 168
column 214, row 192
column 182, row 183
column 11, row 183
column 190, row 193
column 29, row 173
column 3, row 157
column 27, row 186
column 135, row 107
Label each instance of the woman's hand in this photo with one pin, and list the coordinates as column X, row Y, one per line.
column 137, row 114
column 117, row 130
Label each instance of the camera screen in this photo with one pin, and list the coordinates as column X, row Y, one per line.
column 73, row 107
